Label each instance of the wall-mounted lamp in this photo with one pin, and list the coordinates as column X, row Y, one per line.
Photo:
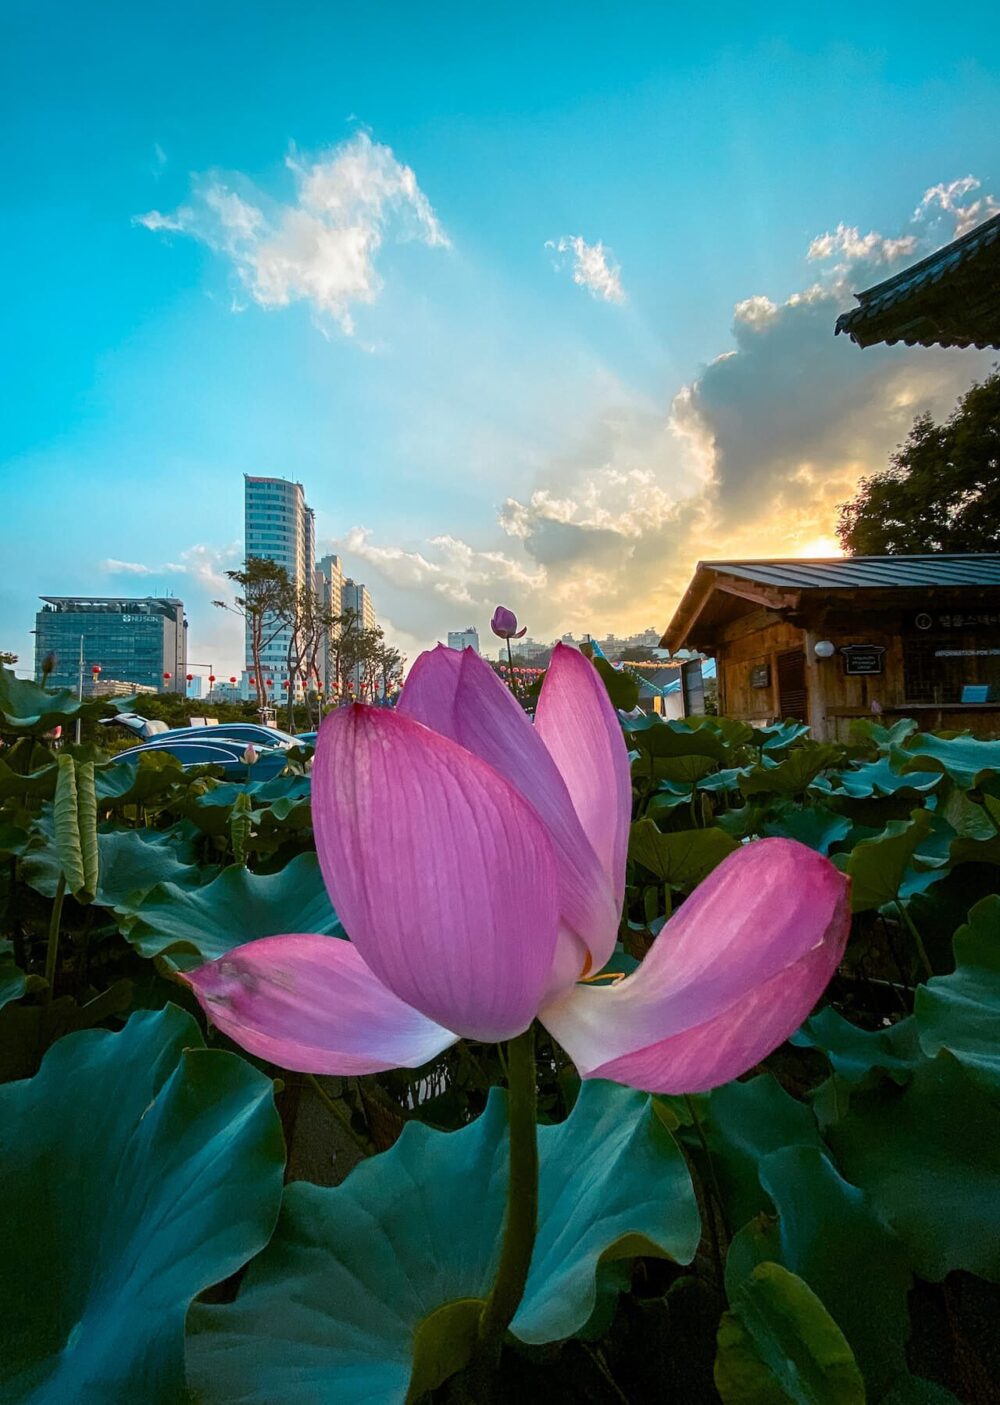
column 823, row 649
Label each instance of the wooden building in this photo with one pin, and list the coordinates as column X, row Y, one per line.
column 828, row 640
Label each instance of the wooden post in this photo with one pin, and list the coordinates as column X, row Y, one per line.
column 816, row 676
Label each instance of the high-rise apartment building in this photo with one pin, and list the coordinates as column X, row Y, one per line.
column 134, row 641
column 280, row 527
column 464, row 638
column 356, row 600
column 329, row 584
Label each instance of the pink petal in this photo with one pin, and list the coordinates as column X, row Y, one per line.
column 460, row 696
column 311, row 1004
column 729, row 978
column 579, row 726
column 442, row 874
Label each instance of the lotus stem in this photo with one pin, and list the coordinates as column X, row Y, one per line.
column 521, row 1218
column 917, row 939
column 52, row 949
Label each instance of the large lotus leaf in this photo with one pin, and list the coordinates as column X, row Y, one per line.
column 373, row 1288
column 681, row 859
column 878, row 866
column 878, row 778
column 927, row 1155
column 138, row 1169
column 964, row 758
column 623, row 687
column 131, row 862
column 854, row 1053
column 866, row 729
column 961, row 1011
column 828, row 1233
column 732, row 731
column 236, row 907
column 814, row 825
column 655, row 737
column 792, row 775
column 37, row 782
column 726, row 780
column 778, row 736
column 746, row 1122
column 25, row 707
column 778, row 1345
column 681, row 770
column 149, row 778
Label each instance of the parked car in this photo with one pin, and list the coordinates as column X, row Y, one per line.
column 202, row 746
column 246, row 732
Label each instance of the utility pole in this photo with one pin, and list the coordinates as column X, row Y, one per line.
column 79, row 691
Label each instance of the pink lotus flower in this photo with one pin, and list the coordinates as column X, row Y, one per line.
column 504, row 624
column 478, row 863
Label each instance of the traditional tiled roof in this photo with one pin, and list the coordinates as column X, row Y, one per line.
column 950, row 298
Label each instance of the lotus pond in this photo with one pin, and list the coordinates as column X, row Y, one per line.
column 277, row 1204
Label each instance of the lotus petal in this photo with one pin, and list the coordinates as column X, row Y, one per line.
column 577, row 722
column 441, row 872
column 311, row 1004
column 729, row 978
column 459, row 695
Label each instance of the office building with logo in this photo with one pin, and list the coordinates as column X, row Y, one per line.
column 141, row 642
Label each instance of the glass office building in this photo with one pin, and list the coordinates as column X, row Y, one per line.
column 129, row 640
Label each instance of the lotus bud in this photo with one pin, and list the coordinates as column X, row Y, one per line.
column 504, row 624
column 250, row 755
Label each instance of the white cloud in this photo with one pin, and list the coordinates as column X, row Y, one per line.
column 322, row 247
column 947, row 198
column 591, row 267
column 850, row 244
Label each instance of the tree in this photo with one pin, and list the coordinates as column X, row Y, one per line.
column 941, row 491
column 263, row 606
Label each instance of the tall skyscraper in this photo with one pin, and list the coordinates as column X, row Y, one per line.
column 464, row 638
column 356, row 600
column 330, row 589
column 140, row 641
column 280, row 527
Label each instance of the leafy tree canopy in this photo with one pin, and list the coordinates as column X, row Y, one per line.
column 941, row 491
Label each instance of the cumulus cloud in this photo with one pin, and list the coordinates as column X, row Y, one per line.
column 593, row 267
column 749, row 458
column 321, row 248
column 946, row 199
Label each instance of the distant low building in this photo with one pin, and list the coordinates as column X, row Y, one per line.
column 135, row 641
column 464, row 638
column 115, row 688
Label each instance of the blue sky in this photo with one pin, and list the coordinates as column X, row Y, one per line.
column 524, row 297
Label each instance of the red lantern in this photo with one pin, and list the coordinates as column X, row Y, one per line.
column 95, row 669
column 189, row 677
column 211, row 678
column 269, row 682
column 232, row 679
column 167, row 677
column 284, row 685
column 252, row 679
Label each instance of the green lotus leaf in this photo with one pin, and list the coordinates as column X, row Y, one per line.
column 878, row 866
column 236, row 907
column 681, row 859
column 623, row 687
column 654, row 737
column 778, row 1345
column 964, row 758
column 25, row 707
column 792, row 775
column 779, row 735
column 747, row 1121
column 151, row 777
column 925, row 1155
column 370, row 1292
column 828, row 1233
column 138, row 1169
column 813, row 825
column 855, row 1053
column 961, row 1012
column 132, row 861
column 878, row 778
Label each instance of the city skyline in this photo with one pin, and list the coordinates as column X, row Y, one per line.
column 541, row 318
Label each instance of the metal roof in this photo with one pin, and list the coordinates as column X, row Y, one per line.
column 852, row 572
column 950, row 298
